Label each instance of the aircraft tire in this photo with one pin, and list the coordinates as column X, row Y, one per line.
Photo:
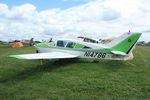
column 37, row 51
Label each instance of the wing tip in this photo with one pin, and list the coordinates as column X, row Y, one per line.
column 18, row 57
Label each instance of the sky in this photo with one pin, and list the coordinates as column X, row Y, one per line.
column 46, row 4
column 43, row 19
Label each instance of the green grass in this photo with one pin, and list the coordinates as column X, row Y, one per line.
column 76, row 79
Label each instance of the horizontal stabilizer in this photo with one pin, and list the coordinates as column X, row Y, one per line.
column 118, row 53
column 50, row 55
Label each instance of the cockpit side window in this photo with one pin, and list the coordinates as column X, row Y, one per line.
column 61, row 43
column 71, row 44
column 90, row 40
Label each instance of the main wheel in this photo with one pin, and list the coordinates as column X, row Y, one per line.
column 37, row 51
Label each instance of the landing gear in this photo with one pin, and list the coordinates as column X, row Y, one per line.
column 95, row 61
column 37, row 51
column 58, row 62
column 41, row 60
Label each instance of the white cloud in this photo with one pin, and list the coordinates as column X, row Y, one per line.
column 23, row 12
column 3, row 10
column 96, row 19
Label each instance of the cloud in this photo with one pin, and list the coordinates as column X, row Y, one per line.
column 23, row 12
column 109, row 14
column 95, row 19
column 3, row 10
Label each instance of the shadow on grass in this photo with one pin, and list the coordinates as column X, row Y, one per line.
column 114, row 63
column 47, row 66
column 107, row 63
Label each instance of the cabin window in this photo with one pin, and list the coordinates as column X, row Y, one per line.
column 61, row 43
column 90, row 40
column 71, row 44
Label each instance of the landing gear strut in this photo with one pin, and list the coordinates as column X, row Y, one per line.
column 37, row 51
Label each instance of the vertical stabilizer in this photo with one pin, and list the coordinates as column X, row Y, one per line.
column 125, row 43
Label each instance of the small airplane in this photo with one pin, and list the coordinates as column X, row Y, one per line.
column 119, row 49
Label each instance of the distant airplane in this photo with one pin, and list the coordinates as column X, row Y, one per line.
column 118, row 49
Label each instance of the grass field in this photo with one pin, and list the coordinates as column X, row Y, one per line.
column 79, row 79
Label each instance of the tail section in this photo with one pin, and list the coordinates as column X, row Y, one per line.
column 125, row 43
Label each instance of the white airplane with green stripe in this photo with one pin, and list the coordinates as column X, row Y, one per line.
column 118, row 49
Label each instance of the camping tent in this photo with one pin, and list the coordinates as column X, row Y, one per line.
column 17, row 45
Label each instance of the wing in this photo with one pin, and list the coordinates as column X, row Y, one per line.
column 50, row 55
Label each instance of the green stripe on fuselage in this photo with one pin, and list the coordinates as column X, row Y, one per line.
column 79, row 46
column 43, row 44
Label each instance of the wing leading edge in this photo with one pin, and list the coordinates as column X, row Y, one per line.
column 50, row 55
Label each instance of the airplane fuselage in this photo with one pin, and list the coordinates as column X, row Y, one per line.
column 82, row 53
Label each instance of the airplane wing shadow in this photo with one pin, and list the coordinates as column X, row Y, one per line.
column 48, row 66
